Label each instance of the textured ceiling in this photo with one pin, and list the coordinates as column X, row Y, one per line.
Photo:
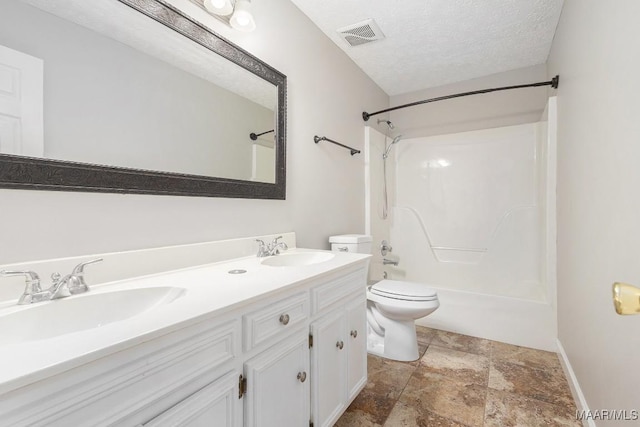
column 431, row 43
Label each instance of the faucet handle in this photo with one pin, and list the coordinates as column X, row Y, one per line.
column 79, row 269
column 385, row 247
column 31, row 277
column 274, row 248
column 275, row 243
column 32, row 286
column 76, row 283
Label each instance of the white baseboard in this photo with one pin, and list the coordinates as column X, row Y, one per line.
column 576, row 391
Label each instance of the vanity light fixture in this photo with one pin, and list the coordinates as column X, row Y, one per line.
column 235, row 13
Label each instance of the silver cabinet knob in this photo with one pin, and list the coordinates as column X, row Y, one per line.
column 340, row 345
column 284, row 319
column 302, row 376
column 354, row 333
column 344, row 249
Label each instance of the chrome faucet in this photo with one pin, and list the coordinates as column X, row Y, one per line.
column 62, row 286
column 272, row 248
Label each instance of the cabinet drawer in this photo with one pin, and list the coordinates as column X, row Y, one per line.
column 275, row 319
column 337, row 290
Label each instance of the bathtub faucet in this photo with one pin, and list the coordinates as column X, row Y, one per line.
column 388, row 261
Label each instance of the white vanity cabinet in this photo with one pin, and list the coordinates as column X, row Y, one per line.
column 339, row 350
column 253, row 364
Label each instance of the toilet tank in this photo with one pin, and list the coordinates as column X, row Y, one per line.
column 356, row 243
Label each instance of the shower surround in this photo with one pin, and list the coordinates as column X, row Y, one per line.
column 471, row 214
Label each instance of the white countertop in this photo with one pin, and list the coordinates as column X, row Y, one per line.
column 210, row 290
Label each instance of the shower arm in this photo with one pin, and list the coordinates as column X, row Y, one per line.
column 553, row 83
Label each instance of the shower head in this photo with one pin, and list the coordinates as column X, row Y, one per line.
column 394, row 141
column 387, row 122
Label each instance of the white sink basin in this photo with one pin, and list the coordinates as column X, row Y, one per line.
column 87, row 311
column 297, row 259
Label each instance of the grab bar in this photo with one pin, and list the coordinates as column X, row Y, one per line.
column 449, row 248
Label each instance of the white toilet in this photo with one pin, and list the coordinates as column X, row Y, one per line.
column 392, row 307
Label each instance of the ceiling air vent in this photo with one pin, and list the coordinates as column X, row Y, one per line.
column 359, row 33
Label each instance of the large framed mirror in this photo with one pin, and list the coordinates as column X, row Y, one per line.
column 133, row 96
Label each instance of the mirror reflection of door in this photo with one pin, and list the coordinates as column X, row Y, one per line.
column 21, row 119
column 264, row 157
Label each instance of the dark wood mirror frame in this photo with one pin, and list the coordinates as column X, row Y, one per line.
column 30, row 173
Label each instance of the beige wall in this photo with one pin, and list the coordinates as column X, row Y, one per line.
column 596, row 53
column 325, row 195
column 498, row 109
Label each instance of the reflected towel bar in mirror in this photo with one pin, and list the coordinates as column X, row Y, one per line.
column 255, row 136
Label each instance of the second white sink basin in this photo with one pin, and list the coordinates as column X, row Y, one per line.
column 297, row 259
column 83, row 312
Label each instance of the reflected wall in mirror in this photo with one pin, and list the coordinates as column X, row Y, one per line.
column 96, row 96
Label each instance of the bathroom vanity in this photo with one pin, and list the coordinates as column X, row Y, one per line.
column 274, row 341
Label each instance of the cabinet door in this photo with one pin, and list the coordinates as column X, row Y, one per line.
column 328, row 368
column 278, row 385
column 356, row 347
column 216, row 405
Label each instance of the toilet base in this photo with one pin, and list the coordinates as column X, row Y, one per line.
column 399, row 342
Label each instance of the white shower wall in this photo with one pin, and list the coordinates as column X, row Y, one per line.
column 473, row 217
column 468, row 211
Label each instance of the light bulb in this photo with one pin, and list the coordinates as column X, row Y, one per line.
column 219, row 7
column 242, row 19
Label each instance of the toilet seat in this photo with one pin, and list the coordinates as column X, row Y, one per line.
column 405, row 291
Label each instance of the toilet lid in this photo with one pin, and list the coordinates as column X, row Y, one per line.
column 404, row 290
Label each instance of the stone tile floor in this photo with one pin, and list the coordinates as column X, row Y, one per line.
column 464, row 381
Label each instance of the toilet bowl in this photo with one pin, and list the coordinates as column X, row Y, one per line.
column 392, row 309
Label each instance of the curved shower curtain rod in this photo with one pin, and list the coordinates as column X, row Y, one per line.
column 553, row 83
